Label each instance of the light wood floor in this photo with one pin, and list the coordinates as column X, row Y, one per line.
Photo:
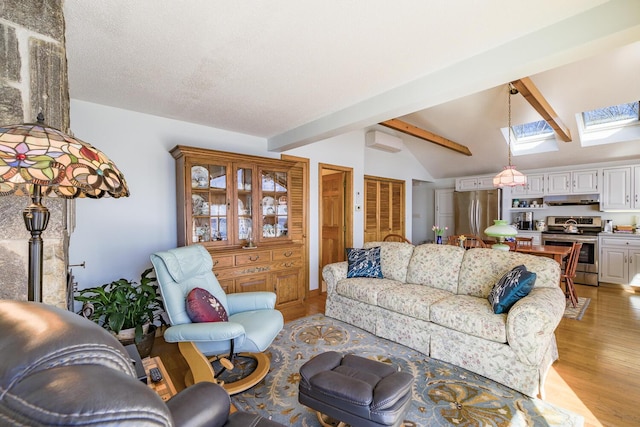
column 597, row 376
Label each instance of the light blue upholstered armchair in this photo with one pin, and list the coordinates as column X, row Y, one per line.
column 252, row 326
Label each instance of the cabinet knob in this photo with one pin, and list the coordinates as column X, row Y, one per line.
column 288, row 254
column 254, row 258
column 215, row 263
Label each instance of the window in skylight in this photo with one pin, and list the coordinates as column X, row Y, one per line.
column 531, row 138
column 608, row 125
column 615, row 115
column 533, row 130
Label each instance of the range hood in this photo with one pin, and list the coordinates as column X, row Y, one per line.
column 572, row 200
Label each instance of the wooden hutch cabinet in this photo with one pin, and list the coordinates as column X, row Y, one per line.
column 248, row 212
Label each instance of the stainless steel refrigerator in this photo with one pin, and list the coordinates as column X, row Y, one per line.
column 476, row 210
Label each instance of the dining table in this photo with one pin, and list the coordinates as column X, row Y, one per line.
column 556, row 252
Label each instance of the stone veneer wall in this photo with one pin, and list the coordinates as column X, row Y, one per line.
column 33, row 79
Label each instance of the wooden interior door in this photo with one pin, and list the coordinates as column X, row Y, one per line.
column 384, row 208
column 335, row 215
column 333, row 218
column 371, row 208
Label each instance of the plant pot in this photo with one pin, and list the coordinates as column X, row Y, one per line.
column 146, row 342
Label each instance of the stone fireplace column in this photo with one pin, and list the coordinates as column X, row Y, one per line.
column 33, row 79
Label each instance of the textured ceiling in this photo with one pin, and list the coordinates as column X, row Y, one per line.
column 297, row 71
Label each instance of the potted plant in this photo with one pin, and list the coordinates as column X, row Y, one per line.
column 126, row 309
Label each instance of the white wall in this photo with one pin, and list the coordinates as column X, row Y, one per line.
column 116, row 236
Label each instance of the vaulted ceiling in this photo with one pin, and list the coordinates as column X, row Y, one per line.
column 296, row 72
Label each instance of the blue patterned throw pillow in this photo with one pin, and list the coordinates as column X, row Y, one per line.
column 364, row 262
column 515, row 284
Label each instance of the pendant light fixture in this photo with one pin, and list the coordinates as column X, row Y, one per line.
column 509, row 177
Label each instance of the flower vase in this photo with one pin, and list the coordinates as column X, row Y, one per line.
column 438, row 240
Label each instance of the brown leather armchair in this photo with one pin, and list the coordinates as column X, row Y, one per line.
column 58, row 368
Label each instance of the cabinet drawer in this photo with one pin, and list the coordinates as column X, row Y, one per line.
column 621, row 241
column 288, row 263
column 286, row 254
column 253, row 257
column 222, row 261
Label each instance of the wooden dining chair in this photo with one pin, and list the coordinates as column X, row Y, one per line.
column 570, row 273
column 524, row 241
column 470, row 241
column 395, row 238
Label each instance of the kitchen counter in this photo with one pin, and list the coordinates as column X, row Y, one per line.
column 623, row 235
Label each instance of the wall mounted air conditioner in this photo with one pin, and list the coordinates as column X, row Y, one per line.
column 383, row 141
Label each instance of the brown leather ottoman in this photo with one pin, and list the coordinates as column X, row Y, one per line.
column 355, row 390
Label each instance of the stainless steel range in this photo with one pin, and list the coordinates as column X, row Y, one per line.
column 564, row 230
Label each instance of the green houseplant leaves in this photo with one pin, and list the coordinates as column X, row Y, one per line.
column 122, row 305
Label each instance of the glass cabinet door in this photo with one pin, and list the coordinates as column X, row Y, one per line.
column 209, row 203
column 244, row 176
column 274, row 191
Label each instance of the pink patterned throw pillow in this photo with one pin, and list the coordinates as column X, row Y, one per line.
column 204, row 307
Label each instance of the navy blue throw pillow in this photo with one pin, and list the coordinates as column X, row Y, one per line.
column 515, row 284
column 364, row 262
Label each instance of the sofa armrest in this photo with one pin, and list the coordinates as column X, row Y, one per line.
column 333, row 273
column 532, row 321
column 203, row 404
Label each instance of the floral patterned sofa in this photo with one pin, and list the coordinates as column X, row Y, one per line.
column 433, row 298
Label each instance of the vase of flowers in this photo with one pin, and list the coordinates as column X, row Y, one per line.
column 439, row 232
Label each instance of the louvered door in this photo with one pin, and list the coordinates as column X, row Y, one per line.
column 384, row 208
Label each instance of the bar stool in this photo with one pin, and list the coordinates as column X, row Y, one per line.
column 570, row 273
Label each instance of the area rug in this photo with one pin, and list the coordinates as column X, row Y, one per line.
column 577, row 312
column 443, row 394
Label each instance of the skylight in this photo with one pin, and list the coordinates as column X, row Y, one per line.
column 532, row 130
column 615, row 115
column 531, row 138
column 608, row 125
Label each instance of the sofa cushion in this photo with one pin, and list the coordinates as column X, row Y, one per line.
column 411, row 300
column 481, row 268
column 436, row 266
column 395, row 257
column 365, row 289
column 470, row 315
column 512, row 286
column 364, row 262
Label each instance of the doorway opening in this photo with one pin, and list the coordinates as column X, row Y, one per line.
column 335, row 214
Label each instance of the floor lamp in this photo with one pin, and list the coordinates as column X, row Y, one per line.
column 37, row 161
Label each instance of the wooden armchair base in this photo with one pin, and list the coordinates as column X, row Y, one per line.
column 200, row 369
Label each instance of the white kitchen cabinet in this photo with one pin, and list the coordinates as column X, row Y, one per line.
column 620, row 187
column 584, row 181
column 635, row 199
column 534, row 187
column 619, row 259
column 576, row 182
column 559, row 183
column 472, row 183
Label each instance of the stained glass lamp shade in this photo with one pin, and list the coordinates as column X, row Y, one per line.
column 36, row 161
column 510, row 176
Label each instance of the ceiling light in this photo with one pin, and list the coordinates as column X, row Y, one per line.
column 510, row 176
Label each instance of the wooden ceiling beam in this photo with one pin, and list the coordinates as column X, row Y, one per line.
column 409, row 129
column 531, row 93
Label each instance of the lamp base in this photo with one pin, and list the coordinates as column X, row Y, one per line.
column 500, row 246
